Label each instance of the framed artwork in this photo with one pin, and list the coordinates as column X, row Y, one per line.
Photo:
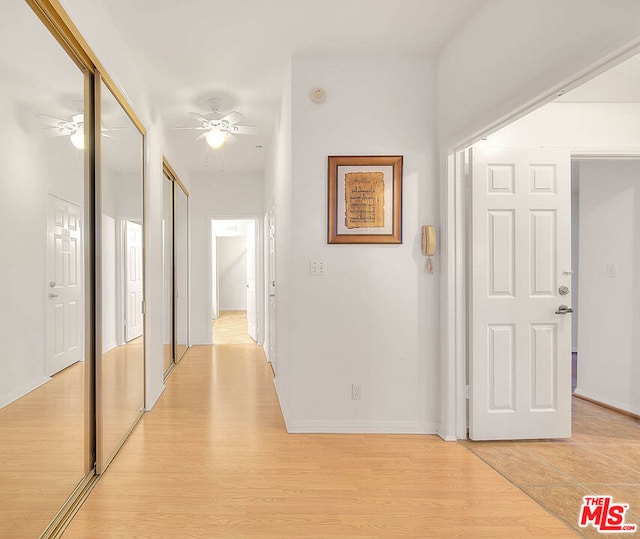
column 365, row 199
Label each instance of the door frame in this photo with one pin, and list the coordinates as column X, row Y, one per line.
column 259, row 262
column 454, row 205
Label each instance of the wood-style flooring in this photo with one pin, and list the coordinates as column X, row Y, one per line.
column 231, row 328
column 602, row 457
column 213, row 460
column 42, row 438
column 41, row 453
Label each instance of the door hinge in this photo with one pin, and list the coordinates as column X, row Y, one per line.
column 143, row 307
column 467, row 392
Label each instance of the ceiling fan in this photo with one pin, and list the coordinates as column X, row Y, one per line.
column 220, row 129
column 73, row 127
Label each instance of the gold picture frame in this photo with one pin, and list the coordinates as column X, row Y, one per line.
column 365, row 199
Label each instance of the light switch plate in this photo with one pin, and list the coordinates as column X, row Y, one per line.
column 317, row 267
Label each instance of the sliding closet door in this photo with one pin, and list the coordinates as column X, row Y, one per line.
column 167, row 273
column 46, row 442
column 120, row 382
column 181, row 239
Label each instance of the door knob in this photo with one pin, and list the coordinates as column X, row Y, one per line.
column 564, row 309
column 53, row 296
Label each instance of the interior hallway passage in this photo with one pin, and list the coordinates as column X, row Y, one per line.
column 231, row 327
column 213, row 459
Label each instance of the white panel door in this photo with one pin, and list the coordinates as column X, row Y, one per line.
column 520, row 364
column 252, row 325
column 65, row 297
column 133, row 280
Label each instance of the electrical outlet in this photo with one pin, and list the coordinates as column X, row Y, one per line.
column 356, row 392
column 317, row 267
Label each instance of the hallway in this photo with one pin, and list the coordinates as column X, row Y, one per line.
column 213, row 459
column 231, row 328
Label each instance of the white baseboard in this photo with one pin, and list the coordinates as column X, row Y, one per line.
column 283, row 409
column 107, row 347
column 152, row 402
column 609, row 402
column 448, row 438
column 361, row 427
column 14, row 395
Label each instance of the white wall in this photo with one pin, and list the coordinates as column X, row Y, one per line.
column 232, row 273
column 224, row 196
column 582, row 127
column 373, row 319
column 278, row 197
column 512, row 51
column 609, row 325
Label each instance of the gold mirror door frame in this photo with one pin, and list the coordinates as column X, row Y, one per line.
column 120, row 305
column 179, row 264
column 168, row 286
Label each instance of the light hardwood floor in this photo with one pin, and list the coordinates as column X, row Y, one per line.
column 601, row 457
column 41, row 453
column 213, row 459
column 42, row 438
column 231, row 328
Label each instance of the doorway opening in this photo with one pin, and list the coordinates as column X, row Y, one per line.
column 597, row 129
column 234, row 281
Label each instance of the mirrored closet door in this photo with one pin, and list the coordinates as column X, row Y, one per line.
column 46, row 402
column 167, row 274
column 175, row 268
column 181, row 241
column 120, row 361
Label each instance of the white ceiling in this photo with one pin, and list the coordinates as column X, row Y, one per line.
column 620, row 84
column 239, row 50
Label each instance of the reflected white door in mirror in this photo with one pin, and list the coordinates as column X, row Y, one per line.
column 65, row 301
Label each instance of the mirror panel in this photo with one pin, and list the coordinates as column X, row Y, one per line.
column 167, row 273
column 181, row 239
column 121, row 361
column 45, row 448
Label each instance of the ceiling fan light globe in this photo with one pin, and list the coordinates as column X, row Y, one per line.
column 77, row 139
column 215, row 138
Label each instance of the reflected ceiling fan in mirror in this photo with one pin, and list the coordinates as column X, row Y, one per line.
column 219, row 129
column 73, row 128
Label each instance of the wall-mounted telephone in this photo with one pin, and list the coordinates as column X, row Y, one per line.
column 429, row 245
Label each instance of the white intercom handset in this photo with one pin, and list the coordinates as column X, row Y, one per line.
column 429, row 245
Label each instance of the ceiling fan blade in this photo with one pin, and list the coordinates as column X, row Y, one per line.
column 232, row 118
column 52, row 120
column 53, row 131
column 196, row 128
column 243, row 130
column 199, row 116
column 230, row 139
